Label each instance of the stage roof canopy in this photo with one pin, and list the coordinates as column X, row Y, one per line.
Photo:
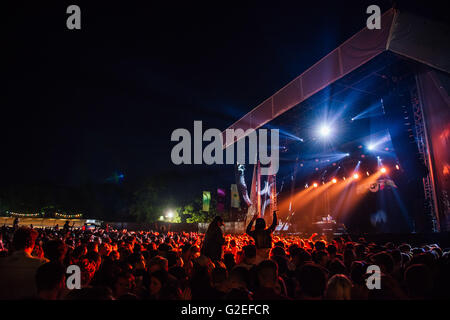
column 348, row 67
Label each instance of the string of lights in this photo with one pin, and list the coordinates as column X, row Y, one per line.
column 17, row 214
column 68, row 216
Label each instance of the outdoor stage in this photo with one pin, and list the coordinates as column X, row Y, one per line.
column 364, row 135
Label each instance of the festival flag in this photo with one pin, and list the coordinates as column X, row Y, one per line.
column 221, row 194
column 235, row 200
column 206, row 200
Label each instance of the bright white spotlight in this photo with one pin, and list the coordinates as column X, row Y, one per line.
column 315, row 184
column 371, row 147
column 383, row 170
column 356, row 176
column 169, row 215
column 334, row 180
column 324, row 131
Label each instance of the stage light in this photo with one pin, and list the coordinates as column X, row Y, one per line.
column 371, row 147
column 356, row 176
column 397, row 167
column 367, row 172
column 161, row 218
column 324, row 131
column 343, row 178
column 347, row 154
column 383, row 170
column 334, row 180
column 315, row 184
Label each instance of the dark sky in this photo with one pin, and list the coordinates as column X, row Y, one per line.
column 79, row 105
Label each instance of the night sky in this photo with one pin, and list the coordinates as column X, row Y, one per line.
column 79, row 105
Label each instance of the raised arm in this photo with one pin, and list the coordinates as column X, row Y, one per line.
column 274, row 222
column 249, row 227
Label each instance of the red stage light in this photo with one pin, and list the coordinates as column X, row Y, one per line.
column 334, row 180
column 315, row 185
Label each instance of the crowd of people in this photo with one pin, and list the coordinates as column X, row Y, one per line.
column 257, row 265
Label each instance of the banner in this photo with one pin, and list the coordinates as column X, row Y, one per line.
column 221, row 194
column 273, row 193
column 255, row 194
column 235, row 200
column 206, row 200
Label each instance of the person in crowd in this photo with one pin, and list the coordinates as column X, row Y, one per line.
column 418, row 281
column 249, row 258
column 214, row 240
column 238, row 285
column 262, row 236
column 339, row 287
column 55, row 250
column 219, row 277
column 18, row 270
column 16, row 223
column 268, row 282
column 124, row 285
column 312, row 281
column 50, row 281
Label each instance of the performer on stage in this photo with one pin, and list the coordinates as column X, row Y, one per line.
column 262, row 236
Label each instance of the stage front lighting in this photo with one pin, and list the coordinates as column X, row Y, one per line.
column 370, row 147
column 356, row 176
column 315, row 184
column 334, row 180
column 383, row 170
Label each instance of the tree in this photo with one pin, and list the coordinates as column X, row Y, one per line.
column 196, row 215
column 151, row 202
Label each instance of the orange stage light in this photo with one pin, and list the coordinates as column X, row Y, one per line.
column 334, row 180
column 356, row 176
